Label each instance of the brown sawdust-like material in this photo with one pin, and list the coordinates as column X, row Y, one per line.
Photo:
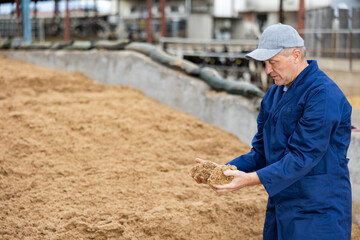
column 81, row 160
column 218, row 177
column 202, row 171
column 211, row 173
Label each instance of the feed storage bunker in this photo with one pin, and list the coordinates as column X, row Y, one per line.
column 233, row 113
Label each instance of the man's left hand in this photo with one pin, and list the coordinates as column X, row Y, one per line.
column 241, row 179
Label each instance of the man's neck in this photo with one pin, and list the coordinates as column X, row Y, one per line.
column 301, row 68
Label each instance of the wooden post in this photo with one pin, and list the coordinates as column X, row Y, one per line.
column 281, row 12
column 18, row 18
column 300, row 18
column 17, row 9
column 56, row 9
column 35, row 9
column 163, row 18
column 67, row 23
column 148, row 22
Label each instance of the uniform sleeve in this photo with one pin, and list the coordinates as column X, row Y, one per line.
column 255, row 159
column 306, row 146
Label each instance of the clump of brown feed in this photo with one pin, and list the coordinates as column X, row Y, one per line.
column 218, row 177
column 211, row 173
column 202, row 170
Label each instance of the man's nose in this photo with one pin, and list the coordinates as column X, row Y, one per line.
column 268, row 68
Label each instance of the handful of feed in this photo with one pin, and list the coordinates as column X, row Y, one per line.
column 212, row 173
column 218, row 177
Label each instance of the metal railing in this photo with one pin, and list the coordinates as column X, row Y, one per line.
column 10, row 28
column 226, row 56
column 333, row 43
column 208, row 48
column 13, row 28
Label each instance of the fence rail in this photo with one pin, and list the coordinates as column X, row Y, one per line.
column 13, row 28
column 333, row 33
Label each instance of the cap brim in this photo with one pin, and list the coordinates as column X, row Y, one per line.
column 263, row 54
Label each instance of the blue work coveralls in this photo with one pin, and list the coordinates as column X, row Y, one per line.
column 299, row 153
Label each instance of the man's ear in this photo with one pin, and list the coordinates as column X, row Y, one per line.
column 296, row 54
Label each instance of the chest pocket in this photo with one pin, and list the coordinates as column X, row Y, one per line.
column 290, row 117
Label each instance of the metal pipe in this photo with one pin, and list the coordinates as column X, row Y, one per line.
column 26, row 20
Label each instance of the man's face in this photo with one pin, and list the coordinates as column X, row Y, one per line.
column 282, row 69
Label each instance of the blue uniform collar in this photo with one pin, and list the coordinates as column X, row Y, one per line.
column 280, row 99
column 300, row 79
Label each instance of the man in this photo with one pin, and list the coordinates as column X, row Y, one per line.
column 299, row 151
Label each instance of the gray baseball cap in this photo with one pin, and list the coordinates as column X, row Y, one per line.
column 274, row 39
